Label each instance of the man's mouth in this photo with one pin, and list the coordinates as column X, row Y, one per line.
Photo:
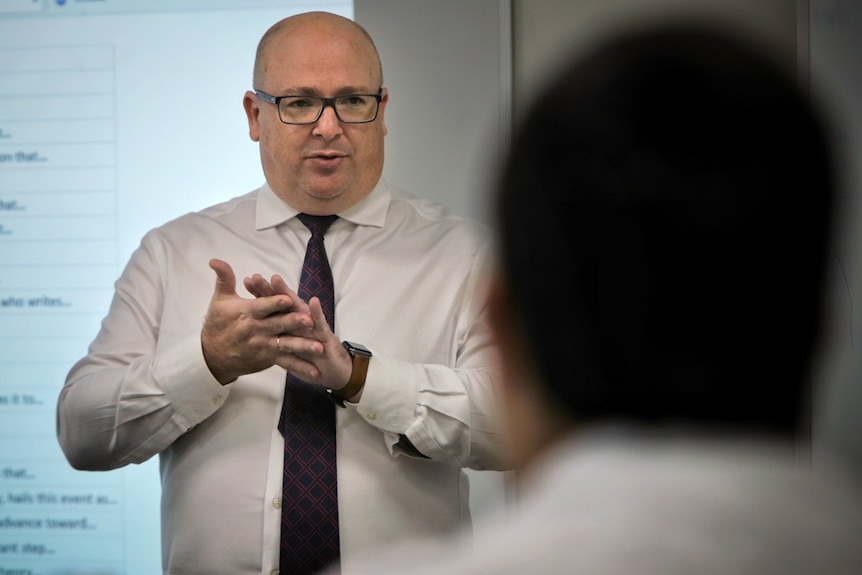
column 326, row 155
column 326, row 161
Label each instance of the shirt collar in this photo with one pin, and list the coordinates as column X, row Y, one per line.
column 271, row 211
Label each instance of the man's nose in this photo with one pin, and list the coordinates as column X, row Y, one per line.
column 328, row 125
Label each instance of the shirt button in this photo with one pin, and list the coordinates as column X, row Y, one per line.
column 274, row 572
column 276, row 502
column 216, row 399
column 371, row 415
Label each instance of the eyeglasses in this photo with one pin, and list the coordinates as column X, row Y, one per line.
column 350, row 109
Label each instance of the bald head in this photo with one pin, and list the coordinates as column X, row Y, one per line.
column 317, row 23
column 328, row 165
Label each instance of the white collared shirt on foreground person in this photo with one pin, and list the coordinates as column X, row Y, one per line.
column 620, row 500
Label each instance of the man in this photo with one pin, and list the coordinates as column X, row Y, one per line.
column 664, row 218
column 407, row 286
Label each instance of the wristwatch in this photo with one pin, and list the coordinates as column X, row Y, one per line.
column 361, row 357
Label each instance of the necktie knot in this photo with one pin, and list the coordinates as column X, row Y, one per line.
column 317, row 224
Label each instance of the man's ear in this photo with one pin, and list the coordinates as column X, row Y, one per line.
column 382, row 112
column 249, row 102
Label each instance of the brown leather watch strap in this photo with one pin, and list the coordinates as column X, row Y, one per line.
column 361, row 358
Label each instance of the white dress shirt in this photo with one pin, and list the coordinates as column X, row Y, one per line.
column 619, row 501
column 408, row 285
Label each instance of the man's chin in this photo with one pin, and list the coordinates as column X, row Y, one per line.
column 326, row 194
column 322, row 199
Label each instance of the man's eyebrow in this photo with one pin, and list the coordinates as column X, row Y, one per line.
column 344, row 91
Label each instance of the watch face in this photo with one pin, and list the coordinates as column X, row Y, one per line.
column 356, row 349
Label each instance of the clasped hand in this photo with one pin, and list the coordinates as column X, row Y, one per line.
column 243, row 336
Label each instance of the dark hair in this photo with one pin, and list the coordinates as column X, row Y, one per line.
column 664, row 217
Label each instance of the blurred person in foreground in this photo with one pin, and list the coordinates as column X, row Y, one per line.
column 664, row 215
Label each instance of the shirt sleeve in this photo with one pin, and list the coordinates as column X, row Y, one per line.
column 448, row 413
column 129, row 398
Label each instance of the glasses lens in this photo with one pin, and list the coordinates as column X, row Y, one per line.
column 356, row 108
column 299, row 109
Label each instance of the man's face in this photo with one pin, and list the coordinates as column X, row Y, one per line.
column 328, row 166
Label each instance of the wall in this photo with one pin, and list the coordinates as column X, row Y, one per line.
column 451, row 60
column 835, row 52
column 546, row 30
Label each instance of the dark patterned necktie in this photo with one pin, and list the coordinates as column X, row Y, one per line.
column 309, row 507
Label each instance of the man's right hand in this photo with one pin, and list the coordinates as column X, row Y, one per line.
column 239, row 335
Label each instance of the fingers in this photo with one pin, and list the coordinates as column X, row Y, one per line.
column 268, row 300
column 304, row 348
column 321, row 352
column 292, row 323
column 225, row 285
column 321, row 326
column 258, row 286
column 296, row 355
column 302, row 369
column 280, row 286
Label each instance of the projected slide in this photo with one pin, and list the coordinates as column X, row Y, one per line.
column 115, row 116
column 58, row 229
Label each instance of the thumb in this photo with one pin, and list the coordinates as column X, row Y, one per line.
column 225, row 278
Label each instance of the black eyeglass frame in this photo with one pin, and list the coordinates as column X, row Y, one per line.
column 327, row 102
